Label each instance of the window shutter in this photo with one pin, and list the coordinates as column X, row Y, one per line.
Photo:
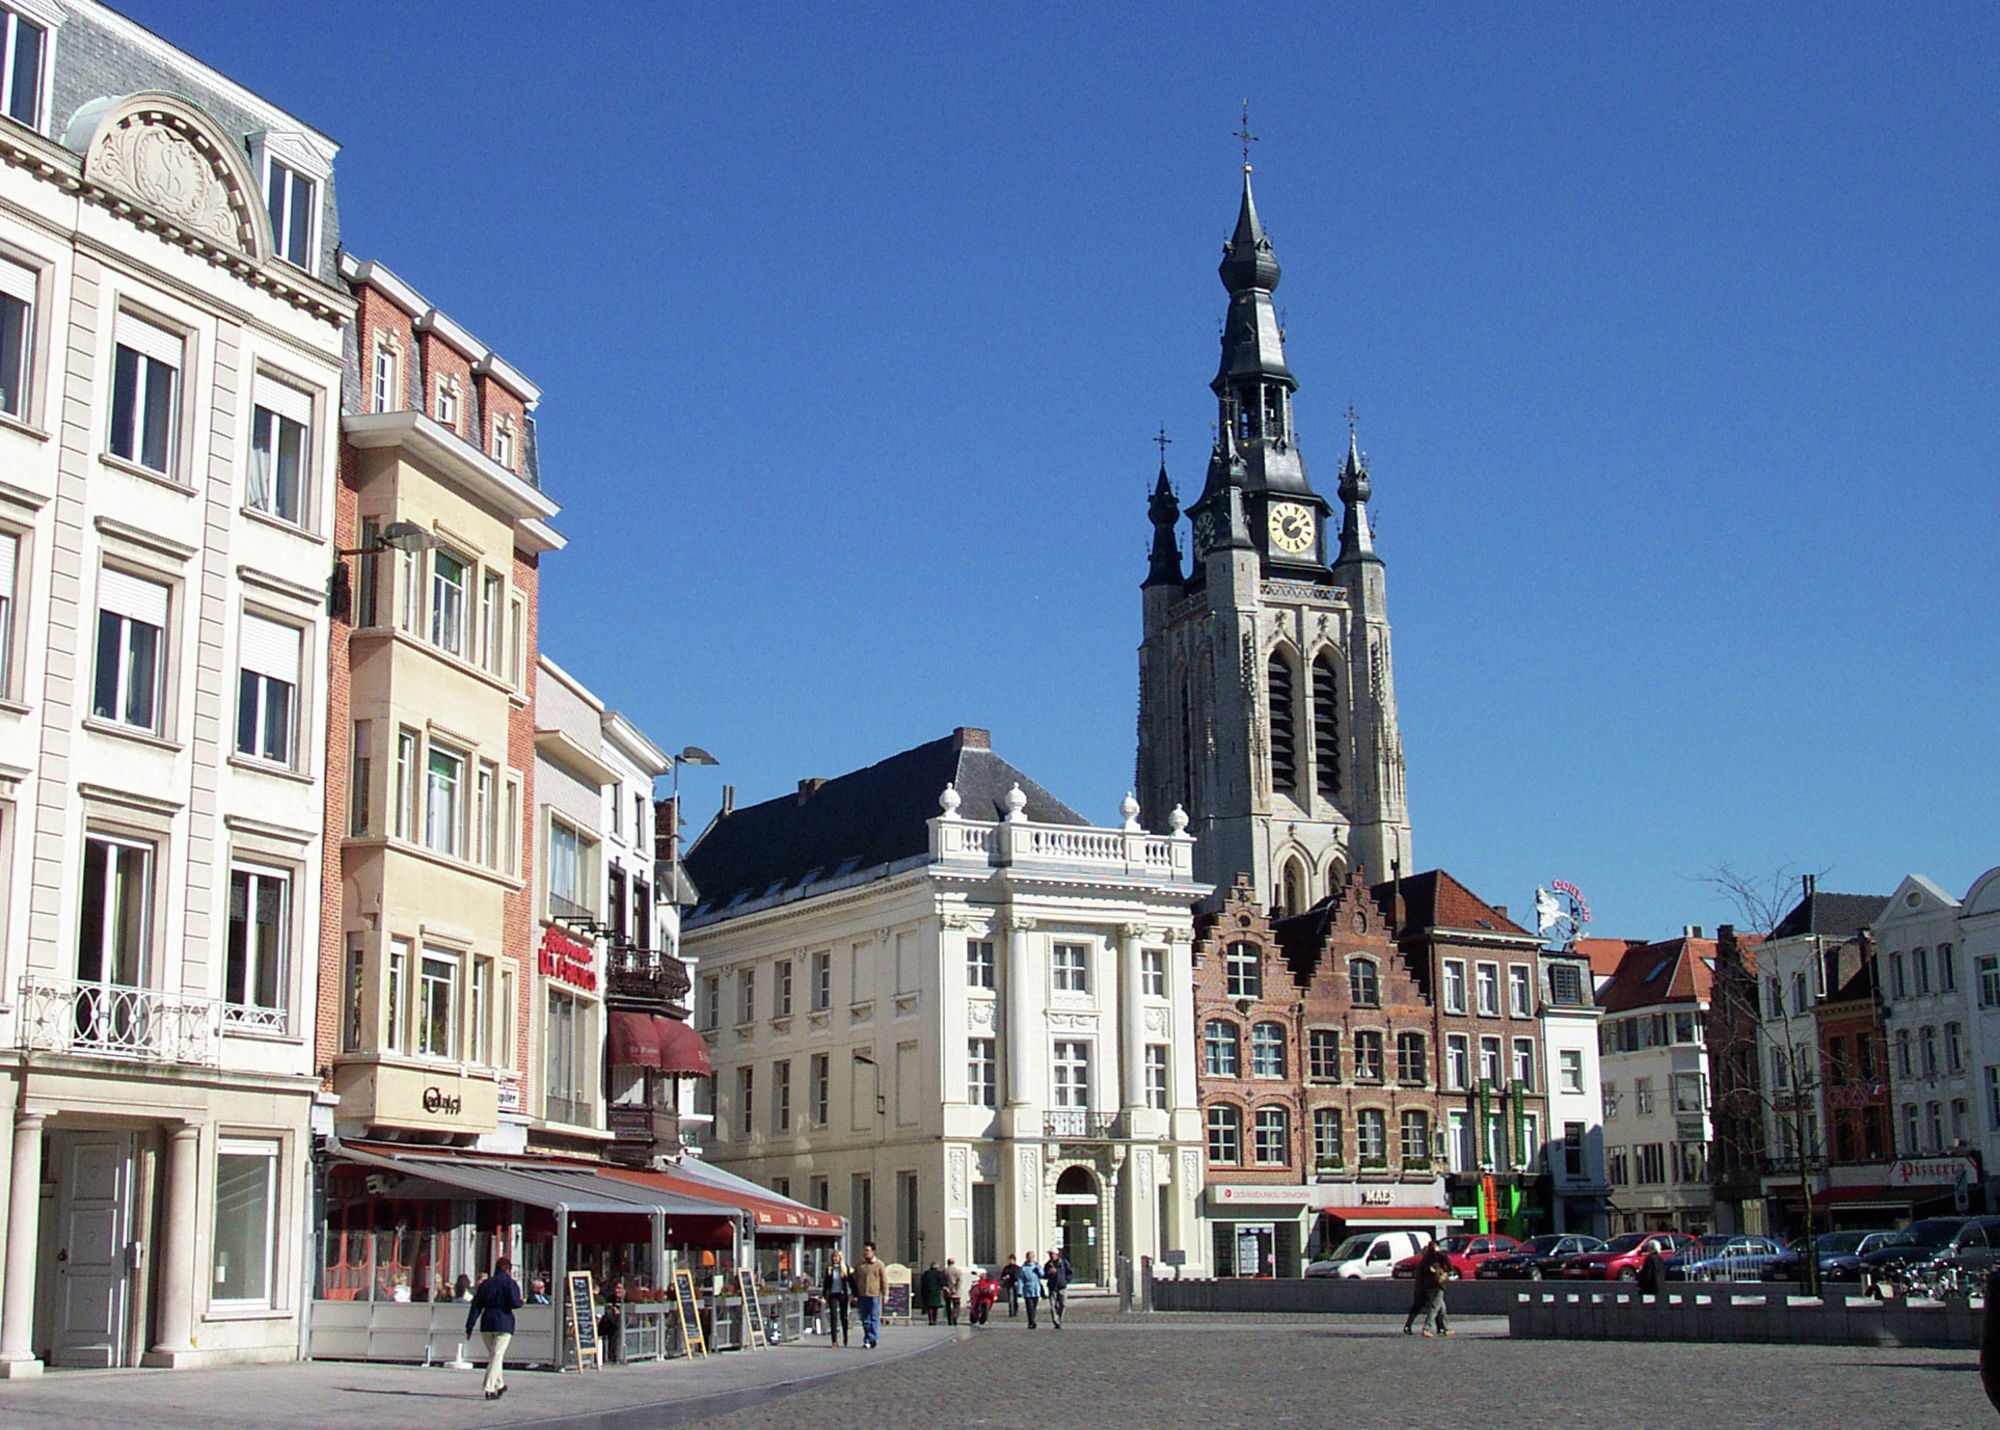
column 284, row 399
column 142, row 337
column 16, row 281
column 271, row 649
column 133, row 597
column 10, row 546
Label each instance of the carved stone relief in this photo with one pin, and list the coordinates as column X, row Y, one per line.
column 164, row 170
column 1156, row 1020
column 980, row 1014
column 957, row 1176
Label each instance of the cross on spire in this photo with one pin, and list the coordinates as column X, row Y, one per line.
column 1352, row 417
column 1246, row 136
column 1163, row 441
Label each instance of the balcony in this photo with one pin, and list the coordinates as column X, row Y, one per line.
column 640, row 1133
column 1127, row 852
column 568, row 911
column 638, row 975
column 1076, row 1124
column 108, row 1020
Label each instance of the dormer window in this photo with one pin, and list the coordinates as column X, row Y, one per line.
column 294, row 204
column 387, row 390
column 447, row 402
column 503, row 442
column 24, row 47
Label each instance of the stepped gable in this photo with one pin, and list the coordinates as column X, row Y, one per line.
column 1321, row 943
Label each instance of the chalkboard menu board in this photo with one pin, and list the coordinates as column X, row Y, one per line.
column 896, row 1305
column 582, row 1309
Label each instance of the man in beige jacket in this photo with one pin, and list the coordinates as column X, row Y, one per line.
column 871, row 1283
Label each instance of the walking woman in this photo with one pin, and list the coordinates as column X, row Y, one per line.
column 835, row 1288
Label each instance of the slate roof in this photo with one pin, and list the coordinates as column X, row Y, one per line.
column 858, row 822
column 1434, row 899
column 1831, row 915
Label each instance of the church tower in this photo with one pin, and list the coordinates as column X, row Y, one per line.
column 1267, row 700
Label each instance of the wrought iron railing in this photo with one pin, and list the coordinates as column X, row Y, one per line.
column 109, row 1020
column 1076, row 1124
column 645, row 974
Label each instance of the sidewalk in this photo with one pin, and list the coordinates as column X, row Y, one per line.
column 341, row 1395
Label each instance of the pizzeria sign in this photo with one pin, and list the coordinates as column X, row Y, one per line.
column 567, row 961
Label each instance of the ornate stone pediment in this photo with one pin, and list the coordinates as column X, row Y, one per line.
column 167, row 156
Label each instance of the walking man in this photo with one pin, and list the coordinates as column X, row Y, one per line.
column 1010, row 1282
column 1030, row 1281
column 834, row 1287
column 492, row 1311
column 870, row 1281
column 1433, row 1271
column 1056, row 1276
column 954, row 1288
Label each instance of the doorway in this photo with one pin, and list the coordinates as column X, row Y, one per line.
column 1077, row 1223
column 93, row 1237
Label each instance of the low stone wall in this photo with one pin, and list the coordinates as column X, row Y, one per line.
column 1325, row 1295
column 1762, row 1313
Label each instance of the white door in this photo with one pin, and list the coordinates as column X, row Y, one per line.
column 93, row 1212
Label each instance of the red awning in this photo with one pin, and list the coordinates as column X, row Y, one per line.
column 635, row 1041
column 681, row 1049
column 766, row 1208
column 1419, row 1215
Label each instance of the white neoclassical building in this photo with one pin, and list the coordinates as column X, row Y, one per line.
column 941, row 1003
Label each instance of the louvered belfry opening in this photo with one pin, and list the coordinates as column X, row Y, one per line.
column 1284, row 749
column 1326, row 728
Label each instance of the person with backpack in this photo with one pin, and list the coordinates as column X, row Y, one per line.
column 1057, row 1273
column 1433, row 1272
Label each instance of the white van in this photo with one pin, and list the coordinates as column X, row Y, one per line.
column 1368, row 1254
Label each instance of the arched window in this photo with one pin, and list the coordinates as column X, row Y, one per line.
column 1363, row 983
column 1267, row 1050
column 1273, row 1147
column 1416, row 1135
column 1242, row 971
column 1187, row 745
column 1371, row 1135
column 1221, row 1049
column 1326, row 727
column 1293, row 899
column 1225, row 1135
column 1336, row 878
column 1329, row 1144
column 1284, row 750
column 1410, row 1058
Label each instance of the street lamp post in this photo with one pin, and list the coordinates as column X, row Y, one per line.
column 692, row 755
column 396, row 536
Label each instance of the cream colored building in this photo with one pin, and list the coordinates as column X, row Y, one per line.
column 970, row 1033
column 170, row 364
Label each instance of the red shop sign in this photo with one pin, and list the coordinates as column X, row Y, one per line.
column 564, row 959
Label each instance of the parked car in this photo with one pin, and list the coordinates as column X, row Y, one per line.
column 1537, row 1257
column 1839, row 1254
column 1621, row 1257
column 1963, row 1242
column 1367, row 1255
column 1725, row 1256
column 1465, row 1253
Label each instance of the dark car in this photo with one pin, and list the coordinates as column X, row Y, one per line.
column 1725, row 1256
column 1839, row 1254
column 1962, row 1242
column 1536, row 1257
column 1621, row 1258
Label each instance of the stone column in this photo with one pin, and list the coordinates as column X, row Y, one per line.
column 176, row 1264
column 1131, row 1019
column 24, row 1216
column 1024, row 995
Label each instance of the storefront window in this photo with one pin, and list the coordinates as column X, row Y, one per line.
column 246, row 1175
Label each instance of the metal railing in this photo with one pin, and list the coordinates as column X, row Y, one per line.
column 633, row 972
column 110, row 1020
column 568, row 911
column 1076, row 1124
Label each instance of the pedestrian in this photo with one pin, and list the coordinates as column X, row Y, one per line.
column 492, row 1310
column 1057, row 1273
column 1030, row 1281
column 1427, row 1305
column 538, row 1292
column 930, row 1292
column 1010, row 1282
column 870, row 1281
column 835, row 1288
column 954, row 1289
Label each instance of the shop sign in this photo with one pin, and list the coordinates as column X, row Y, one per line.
column 439, row 1103
column 567, row 961
column 1266, row 1194
column 1377, row 1197
column 1930, row 1171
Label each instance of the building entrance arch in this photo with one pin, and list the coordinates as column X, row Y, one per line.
column 1080, row 1222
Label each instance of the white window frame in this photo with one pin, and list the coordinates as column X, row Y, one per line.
column 1457, row 1062
column 1570, row 1065
column 248, row 1010
column 1520, row 991
column 132, row 600
column 1069, row 1081
column 450, row 602
column 449, row 404
column 982, row 1072
column 282, row 182
column 1156, row 1076
column 386, row 378
column 1486, row 989
column 439, row 974
column 21, row 286
column 1454, row 985
column 110, row 930
column 1153, row 972
column 444, row 803
column 269, row 664
column 46, row 18
column 1070, row 968
column 149, row 346
column 979, row 964
column 10, row 577
column 278, row 411
column 396, row 995
column 269, row 1153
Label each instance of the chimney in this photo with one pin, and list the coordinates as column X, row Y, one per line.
column 728, row 802
column 809, row 787
column 1500, row 909
column 967, row 737
column 665, row 822
column 1690, row 930
column 1810, row 883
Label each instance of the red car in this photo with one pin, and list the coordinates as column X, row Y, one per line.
column 1464, row 1252
column 1620, row 1258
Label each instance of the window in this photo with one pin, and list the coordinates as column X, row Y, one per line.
column 447, row 403
column 1242, row 969
column 1960, row 1113
column 503, row 443
column 979, row 963
column 1368, row 1056
column 1072, row 968
column 406, row 784
column 1947, row 969
column 983, row 1074
column 1565, row 985
column 1988, row 968
column 1220, row 1049
column 569, row 1061
column 1920, row 971
column 822, row 980
column 746, row 1093
column 1912, row 1137
column 1284, row 761
column 1371, row 1136
column 1156, row 1076
column 1329, row 1143
column 1524, row 1063
column 279, row 451
column 822, row 1079
column 1934, row 1121
column 22, row 45
column 1323, row 1054
column 746, row 995
column 361, row 764
column 437, row 1001
column 1326, row 729
column 711, row 1001
column 145, row 394
column 781, row 1096
column 1774, row 997
column 566, row 891
column 1457, row 1062
column 1642, row 1096
column 448, row 578
column 293, row 210
column 1454, row 986
column 131, row 650
column 1905, row 1065
column 1416, row 1131
column 1898, row 983
column 444, row 801
column 1573, row 1149
column 1410, row 1060
column 1801, row 998
column 486, row 817
column 1993, row 1097
column 1486, row 980
column 1272, row 1147
column 1689, row 1094
column 1153, row 972
column 1489, row 1061
column 1954, row 1048
column 1267, row 1050
column 1570, row 1062
column 1225, row 1135
column 387, row 390
column 481, row 1049
column 267, row 690
column 397, row 994
column 492, row 601
column 246, row 1201
column 1362, row 984
column 253, row 979
column 1072, row 1075
column 1520, row 991
column 1652, row 1163
column 1927, row 1041
column 17, row 335
column 1617, row 1167
column 114, row 932
column 1611, row 1101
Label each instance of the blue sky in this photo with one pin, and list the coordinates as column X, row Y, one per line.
column 1671, row 330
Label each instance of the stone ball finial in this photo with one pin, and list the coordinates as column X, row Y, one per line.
column 1128, row 809
column 1178, row 820
column 1017, row 803
column 949, row 801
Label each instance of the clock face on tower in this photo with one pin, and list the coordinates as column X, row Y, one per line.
column 1204, row 532
column 1291, row 527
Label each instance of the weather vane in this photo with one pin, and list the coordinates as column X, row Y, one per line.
column 1246, row 136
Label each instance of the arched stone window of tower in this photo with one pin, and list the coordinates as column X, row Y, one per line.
column 1294, row 886
column 1336, row 878
column 1274, row 411
column 1326, row 726
column 1284, row 747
